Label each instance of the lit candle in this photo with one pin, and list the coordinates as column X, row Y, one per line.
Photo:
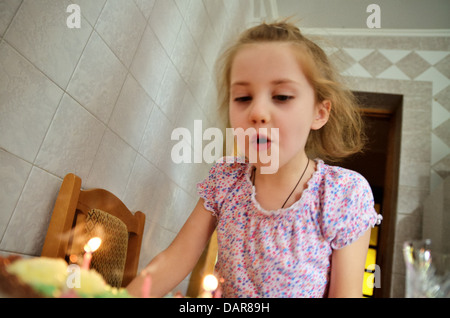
column 146, row 285
column 210, row 284
column 89, row 248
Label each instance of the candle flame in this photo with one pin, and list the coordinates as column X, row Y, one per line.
column 210, row 283
column 93, row 244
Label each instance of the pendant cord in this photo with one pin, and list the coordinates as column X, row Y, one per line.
column 304, row 171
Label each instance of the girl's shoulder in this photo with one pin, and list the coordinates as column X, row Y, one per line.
column 340, row 178
column 229, row 167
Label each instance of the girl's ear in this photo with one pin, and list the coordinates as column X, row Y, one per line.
column 321, row 114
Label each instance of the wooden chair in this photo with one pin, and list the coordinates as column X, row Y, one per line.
column 79, row 215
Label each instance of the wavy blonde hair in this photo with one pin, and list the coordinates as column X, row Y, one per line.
column 343, row 134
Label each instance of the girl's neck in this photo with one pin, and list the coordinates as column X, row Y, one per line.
column 286, row 173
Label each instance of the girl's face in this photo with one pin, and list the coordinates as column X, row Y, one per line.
column 269, row 90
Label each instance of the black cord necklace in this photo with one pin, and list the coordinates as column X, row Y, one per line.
column 304, row 171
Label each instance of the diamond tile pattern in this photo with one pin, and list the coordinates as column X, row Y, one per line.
column 375, row 63
column 444, row 66
column 442, row 168
column 342, row 60
column 443, row 98
column 413, row 65
column 443, row 132
column 428, row 66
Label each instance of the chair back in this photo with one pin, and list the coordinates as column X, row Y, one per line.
column 79, row 215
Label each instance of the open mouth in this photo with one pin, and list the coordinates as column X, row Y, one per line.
column 261, row 142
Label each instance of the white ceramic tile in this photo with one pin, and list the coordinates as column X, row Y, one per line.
column 435, row 181
column 121, row 25
column 176, row 216
column 28, row 103
column 439, row 149
column 211, row 106
column 171, row 93
column 90, row 10
column 393, row 72
column 394, row 55
column 145, row 6
column 131, row 112
column 433, row 57
column 155, row 146
column 164, row 11
column 189, row 112
column 209, row 47
column 184, row 53
column 112, row 165
column 7, row 11
column 72, row 141
column 182, row 6
column 217, row 15
column 358, row 54
column 145, row 180
column 199, row 80
column 98, row 79
column 433, row 75
column 196, row 19
column 149, row 63
column 29, row 223
column 356, row 70
column 13, row 175
column 439, row 114
column 40, row 33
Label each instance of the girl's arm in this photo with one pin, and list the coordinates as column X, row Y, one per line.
column 172, row 265
column 347, row 269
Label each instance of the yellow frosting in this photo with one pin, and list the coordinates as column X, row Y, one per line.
column 42, row 270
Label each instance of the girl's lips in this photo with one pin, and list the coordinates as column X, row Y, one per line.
column 261, row 142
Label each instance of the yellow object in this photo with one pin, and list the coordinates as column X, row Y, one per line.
column 371, row 257
column 374, row 236
column 368, row 284
column 43, row 270
column 45, row 275
column 91, row 283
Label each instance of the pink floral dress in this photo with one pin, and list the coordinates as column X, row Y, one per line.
column 287, row 252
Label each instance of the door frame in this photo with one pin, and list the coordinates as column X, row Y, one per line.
column 389, row 106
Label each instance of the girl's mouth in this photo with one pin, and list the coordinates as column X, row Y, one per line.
column 261, row 142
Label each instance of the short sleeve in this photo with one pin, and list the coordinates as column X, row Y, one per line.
column 348, row 210
column 219, row 183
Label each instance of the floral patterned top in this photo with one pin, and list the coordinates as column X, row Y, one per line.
column 287, row 252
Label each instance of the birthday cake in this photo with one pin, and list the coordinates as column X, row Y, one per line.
column 44, row 277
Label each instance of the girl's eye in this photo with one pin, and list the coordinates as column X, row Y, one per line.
column 282, row 98
column 243, row 99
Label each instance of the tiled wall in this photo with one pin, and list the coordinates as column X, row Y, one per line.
column 101, row 101
column 417, row 67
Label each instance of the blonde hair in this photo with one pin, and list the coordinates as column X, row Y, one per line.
column 343, row 134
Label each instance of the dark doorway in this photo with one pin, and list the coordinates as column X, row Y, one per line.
column 379, row 164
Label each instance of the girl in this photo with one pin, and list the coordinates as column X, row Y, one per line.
column 304, row 230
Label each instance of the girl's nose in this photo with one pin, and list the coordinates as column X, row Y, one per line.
column 259, row 112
